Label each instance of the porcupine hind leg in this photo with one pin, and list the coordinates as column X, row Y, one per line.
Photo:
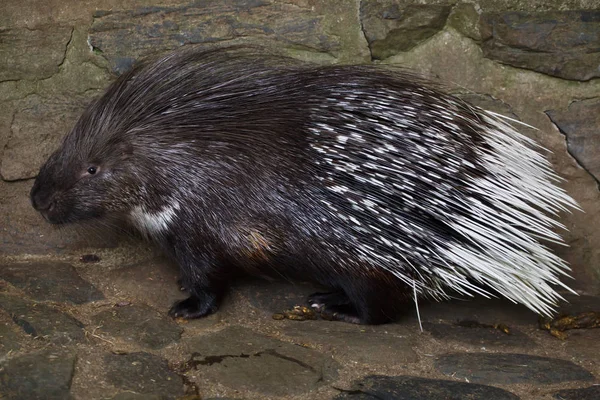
column 357, row 305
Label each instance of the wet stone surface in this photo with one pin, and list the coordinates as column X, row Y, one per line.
column 45, row 375
column 139, row 324
column 50, row 281
column 144, row 374
column 243, row 360
column 411, row 388
column 42, row 321
column 505, row 368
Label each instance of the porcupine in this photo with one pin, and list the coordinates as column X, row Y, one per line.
column 372, row 182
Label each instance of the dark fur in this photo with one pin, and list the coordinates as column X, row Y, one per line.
column 225, row 137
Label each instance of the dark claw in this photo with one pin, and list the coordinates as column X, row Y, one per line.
column 191, row 308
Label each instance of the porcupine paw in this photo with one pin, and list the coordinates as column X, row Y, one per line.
column 334, row 306
column 191, row 308
column 320, row 301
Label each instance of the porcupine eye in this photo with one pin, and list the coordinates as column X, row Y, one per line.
column 91, row 170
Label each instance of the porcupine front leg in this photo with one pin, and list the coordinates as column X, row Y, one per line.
column 206, row 283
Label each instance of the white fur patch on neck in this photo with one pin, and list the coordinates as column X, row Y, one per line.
column 154, row 222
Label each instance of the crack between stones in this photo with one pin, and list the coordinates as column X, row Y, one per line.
column 192, row 363
column 569, row 150
column 10, row 135
column 362, row 28
column 60, row 64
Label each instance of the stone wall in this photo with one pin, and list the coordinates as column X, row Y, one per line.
column 538, row 61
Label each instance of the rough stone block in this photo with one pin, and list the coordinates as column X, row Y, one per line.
column 558, row 43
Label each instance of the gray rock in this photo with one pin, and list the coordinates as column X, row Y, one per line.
column 480, row 336
column 589, row 393
column 143, row 373
column 45, row 375
column 243, row 360
column 54, row 281
column 391, row 28
column 124, row 36
column 32, row 53
column 139, row 324
column 510, row 368
column 365, row 344
column 378, row 387
column 43, row 121
column 558, row 43
column 580, row 123
column 43, row 321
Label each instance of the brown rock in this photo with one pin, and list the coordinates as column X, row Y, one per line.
column 40, row 121
column 580, row 123
column 32, row 54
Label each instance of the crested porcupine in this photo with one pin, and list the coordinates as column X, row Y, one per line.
column 369, row 181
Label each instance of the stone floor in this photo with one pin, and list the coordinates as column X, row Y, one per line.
column 94, row 326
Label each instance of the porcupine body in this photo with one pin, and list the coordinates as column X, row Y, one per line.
column 371, row 182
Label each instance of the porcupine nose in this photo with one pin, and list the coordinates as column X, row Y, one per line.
column 39, row 201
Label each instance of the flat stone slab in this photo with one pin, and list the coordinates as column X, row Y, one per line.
column 152, row 282
column 379, row 387
column 583, row 344
column 505, row 368
column 139, row 324
column 54, row 281
column 42, row 321
column 482, row 310
column 45, row 375
column 9, row 339
column 241, row 359
column 136, row 396
column 143, row 373
column 589, row 393
column 478, row 335
column 365, row 344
